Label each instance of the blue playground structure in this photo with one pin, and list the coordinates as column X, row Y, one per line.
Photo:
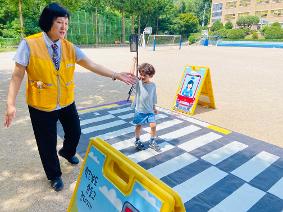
column 251, row 44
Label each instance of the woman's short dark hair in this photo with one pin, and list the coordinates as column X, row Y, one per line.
column 49, row 13
column 147, row 69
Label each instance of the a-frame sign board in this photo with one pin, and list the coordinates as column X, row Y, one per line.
column 194, row 88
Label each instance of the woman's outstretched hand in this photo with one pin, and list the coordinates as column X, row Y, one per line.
column 127, row 78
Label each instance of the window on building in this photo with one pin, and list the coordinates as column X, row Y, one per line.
column 231, row 4
column 217, row 14
column 277, row 13
column 245, row 3
column 262, row 1
column 261, row 14
column 217, row 7
column 229, row 17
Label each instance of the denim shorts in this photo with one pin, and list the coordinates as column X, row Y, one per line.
column 143, row 118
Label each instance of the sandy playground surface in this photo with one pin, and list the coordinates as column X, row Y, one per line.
column 247, row 84
column 248, row 90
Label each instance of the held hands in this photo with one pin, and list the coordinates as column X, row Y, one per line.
column 127, row 78
column 9, row 115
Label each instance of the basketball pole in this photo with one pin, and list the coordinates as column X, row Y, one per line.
column 137, row 63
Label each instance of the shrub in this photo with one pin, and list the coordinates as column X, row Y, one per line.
column 194, row 37
column 229, row 25
column 236, row 34
column 273, row 32
column 217, row 25
column 255, row 35
column 220, row 33
column 276, row 24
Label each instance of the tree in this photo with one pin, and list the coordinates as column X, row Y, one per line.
column 186, row 23
column 121, row 6
column 247, row 21
column 217, row 25
column 200, row 8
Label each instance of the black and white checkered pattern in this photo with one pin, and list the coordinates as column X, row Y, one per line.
column 210, row 171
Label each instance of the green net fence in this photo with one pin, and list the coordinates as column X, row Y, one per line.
column 96, row 29
column 90, row 29
column 9, row 42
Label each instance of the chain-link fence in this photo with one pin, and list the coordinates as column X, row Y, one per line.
column 96, row 29
column 9, row 42
column 89, row 29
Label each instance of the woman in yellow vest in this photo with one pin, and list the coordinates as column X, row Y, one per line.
column 49, row 61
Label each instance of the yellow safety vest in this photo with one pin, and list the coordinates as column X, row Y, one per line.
column 46, row 87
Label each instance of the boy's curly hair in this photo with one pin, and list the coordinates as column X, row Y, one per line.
column 146, row 69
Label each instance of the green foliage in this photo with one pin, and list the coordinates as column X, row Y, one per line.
column 273, row 32
column 276, row 24
column 229, row 25
column 235, row 34
column 217, row 25
column 254, row 35
column 164, row 16
column 185, row 24
column 200, row 8
column 220, row 33
column 194, row 37
column 247, row 21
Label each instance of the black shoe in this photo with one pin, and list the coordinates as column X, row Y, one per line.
column 72, row 160
column 57, row 184
column 139, row 145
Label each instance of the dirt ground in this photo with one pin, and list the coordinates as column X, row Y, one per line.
column 247, row 84
column 248, row 91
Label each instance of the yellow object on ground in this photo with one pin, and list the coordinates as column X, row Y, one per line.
column 109, row 181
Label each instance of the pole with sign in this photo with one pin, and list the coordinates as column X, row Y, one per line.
column 134, row 40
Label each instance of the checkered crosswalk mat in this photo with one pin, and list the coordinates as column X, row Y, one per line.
column 210, row 168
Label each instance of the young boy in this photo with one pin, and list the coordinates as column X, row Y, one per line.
column 144, row 104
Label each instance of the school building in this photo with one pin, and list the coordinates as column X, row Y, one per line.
column 269, row 11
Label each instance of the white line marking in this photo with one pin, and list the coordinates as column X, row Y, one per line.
column 102, row 126
column 277, row 189
column 255, row 166
column 179, row 133
column 197, row 184
column 121, row 110
column 199, row 141
column 148, row 153
column 97, row 119
column 117, row 133
column 165, row 124
column 224, row 152
column 172, row 165
column 240, row 200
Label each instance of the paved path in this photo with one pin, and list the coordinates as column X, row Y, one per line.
column 247, row 85
column 211, row 168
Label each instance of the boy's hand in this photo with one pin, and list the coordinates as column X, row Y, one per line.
column 133, row 67
column 135, row 60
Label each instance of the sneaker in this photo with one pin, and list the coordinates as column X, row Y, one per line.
column 57, row 184
column 139, row 145
column 154, row 145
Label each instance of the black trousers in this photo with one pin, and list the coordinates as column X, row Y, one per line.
column 45, row 130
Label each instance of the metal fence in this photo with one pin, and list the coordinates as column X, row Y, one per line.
column 9, row 42
column 96, row 29
column 88, row 29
